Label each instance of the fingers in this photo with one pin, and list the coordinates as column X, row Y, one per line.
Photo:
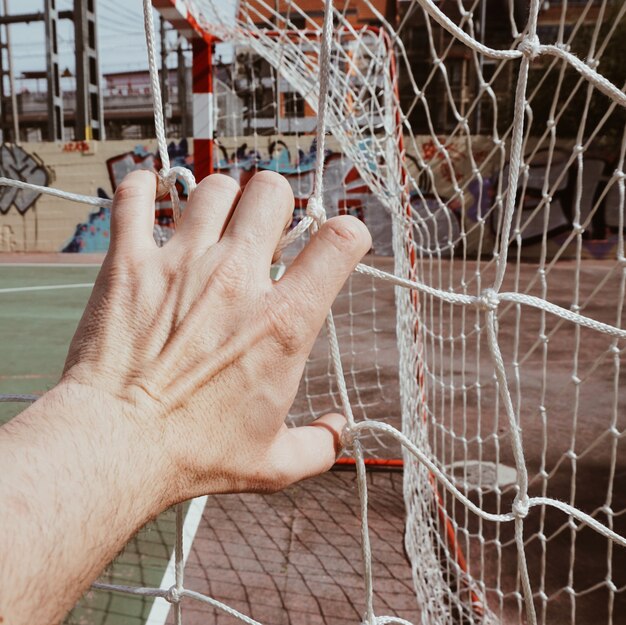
column 309, row 450
column 259, row 220
column 320, row 270
column 132, row 215
column 208, row 212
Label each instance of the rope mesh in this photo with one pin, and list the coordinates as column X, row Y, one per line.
column 510, row 340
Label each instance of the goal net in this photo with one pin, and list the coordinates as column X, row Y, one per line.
column 483, row 143
column 488, row 138
column 265, row 119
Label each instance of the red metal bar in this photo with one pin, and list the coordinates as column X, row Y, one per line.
column 203, row 131
column 389, row 463
column 177, row 14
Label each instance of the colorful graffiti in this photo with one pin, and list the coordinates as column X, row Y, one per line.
column 93, row 235
column 18, row 164
column 442, row 216
column 345, row 192
column 243, row 162
column 82, row 147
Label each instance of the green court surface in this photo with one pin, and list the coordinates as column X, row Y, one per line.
column 38, row 322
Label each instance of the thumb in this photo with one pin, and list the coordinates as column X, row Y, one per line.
column 308, row 450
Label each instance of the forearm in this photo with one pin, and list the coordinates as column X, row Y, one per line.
column 77, row 477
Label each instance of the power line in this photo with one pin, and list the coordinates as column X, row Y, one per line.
column 106, row 20
column 115, row 6
column 120, row 10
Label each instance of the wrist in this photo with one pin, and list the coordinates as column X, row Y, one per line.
column 78, row 478
column 109, row 435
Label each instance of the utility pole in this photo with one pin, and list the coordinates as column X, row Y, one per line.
column 55, row 97
column 165, row 83
column 89, row 113
column 14, row 111
column 182, row 91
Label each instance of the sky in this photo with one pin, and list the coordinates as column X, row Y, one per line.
column 120, row 31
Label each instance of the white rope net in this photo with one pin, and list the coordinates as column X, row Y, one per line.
column 491, row 143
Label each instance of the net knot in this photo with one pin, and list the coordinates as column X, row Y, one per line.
column 315, row 210
column 173, row 595
column 169, row 177
column 619, row 174
column 593, row 63
column 348, row 437
column 530, row 46
column 521, row 506
column 489, row 300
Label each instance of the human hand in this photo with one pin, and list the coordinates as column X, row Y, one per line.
column 198, row 349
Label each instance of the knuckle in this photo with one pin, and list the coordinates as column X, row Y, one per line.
column 219, row 183
column 285, row 326
column 345, row 233
column 132, row 188
column 229, row 281
column 271, row 179
column 272, row 185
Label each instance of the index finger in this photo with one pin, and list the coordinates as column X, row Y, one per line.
column 323, row 266
column 132, row 215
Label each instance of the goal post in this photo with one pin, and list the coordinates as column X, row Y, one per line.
column 203, row 107
column 183, row 19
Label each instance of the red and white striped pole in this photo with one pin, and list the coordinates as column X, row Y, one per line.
column 203, row 111
column 178, row 14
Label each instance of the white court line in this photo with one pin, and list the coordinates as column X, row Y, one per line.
column 48, row 287
column 50, row 265
column 161, row 607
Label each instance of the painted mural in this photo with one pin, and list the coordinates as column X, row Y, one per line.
column 18, row 164
column 446, row 196
column 93, row 235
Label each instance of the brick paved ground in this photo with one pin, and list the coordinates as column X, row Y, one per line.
column 294, row 557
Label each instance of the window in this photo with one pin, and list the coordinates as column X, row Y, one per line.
column 294, row 104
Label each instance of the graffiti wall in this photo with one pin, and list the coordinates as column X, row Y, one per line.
column 19, row 164
column 445, row 196
column 40, row 223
